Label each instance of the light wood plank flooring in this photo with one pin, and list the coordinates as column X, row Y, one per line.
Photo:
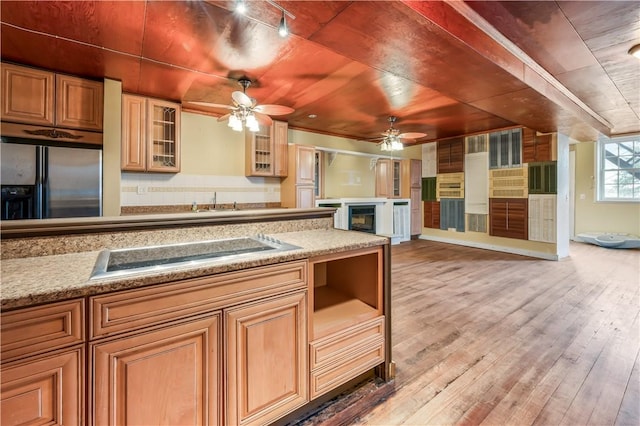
column 482, row 337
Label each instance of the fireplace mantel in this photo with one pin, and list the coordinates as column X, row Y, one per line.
column 392, row 215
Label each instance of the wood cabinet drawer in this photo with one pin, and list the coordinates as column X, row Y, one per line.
column 42, row 328
column 335, row 374
column 134, row 309
column 339, row 345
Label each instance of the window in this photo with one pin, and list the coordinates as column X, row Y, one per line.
column 505, row 149
column 619, row 169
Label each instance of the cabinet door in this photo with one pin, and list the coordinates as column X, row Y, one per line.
column 27, row 95
column 259, row 150
column 134, row 128
column 168, row 376
column 305, row 165
column 42, row 390
column 396, row 179
column 508, row 218
column 280, row 147
column 267, row 359
column 528, row 145
column 79, row 103
column 383, row 178
column 305, row 198
column 452, row 214
column 431, row 214
column 451, row 156
column 163, row 136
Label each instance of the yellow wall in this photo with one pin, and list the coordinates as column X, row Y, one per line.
column 210, row 147
column 593, row 216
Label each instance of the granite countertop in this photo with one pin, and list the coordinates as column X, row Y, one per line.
column 35, row 280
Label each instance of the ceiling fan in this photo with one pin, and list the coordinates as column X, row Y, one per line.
column 245, row 110
column 392, row 139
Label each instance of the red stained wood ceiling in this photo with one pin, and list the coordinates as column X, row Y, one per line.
column 444, row 68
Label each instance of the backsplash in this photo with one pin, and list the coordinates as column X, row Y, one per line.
column 155, row 189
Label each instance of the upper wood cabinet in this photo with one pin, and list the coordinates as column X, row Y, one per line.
column 451, row 155
column 266, row 153
column 150, row 135
column 43, row 98
column 384, row 174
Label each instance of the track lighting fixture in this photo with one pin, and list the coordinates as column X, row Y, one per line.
column 282, row 28
column 241, row 7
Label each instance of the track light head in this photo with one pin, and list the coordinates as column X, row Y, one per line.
column 283, row 30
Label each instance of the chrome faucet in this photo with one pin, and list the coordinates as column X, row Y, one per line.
column 214, row 202
column 234, row 205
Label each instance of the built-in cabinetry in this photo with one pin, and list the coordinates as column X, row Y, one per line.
column 393, row 178
column 150, row 135
column 384, row 178
column 297, row 190
column 164, row 346
column 266, row 152
column 347, row 323
column 43, row 365
column 236, row 348
column 450, row 155
column 43, row 98
column 508, row 217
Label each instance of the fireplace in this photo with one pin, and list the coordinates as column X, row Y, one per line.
column 362, row 218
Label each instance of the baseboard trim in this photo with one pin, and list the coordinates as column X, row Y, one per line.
column 512, row 250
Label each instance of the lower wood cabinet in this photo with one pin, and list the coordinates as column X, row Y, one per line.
column 266, row 353
column 44, row 390
column 168, row 376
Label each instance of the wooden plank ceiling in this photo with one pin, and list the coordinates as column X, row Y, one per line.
column 444, row 68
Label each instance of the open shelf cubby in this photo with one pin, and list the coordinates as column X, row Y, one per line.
column 347, row 290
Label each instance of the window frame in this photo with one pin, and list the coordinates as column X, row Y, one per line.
column 600, row 169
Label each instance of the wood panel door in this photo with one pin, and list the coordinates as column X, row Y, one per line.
column 27, row 95
column 168, row 376
column 44, row 390
column 79, row 103
column 267, row 359
column 416, row 225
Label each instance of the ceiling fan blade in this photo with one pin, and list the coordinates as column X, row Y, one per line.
column 263, row 118
column 210, row 105
column 412, row 135
column 224, row 117
column 241, row 99
column 274, row 109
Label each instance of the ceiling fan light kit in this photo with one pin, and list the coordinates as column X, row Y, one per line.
column 392, row 138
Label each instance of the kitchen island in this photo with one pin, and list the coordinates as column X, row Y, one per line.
column 246, row 341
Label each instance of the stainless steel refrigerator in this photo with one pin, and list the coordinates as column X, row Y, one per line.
column 40, row 181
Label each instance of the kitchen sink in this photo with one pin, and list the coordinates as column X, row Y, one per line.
column 120, row 262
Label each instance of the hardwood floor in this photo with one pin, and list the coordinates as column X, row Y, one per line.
column 482, row 337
